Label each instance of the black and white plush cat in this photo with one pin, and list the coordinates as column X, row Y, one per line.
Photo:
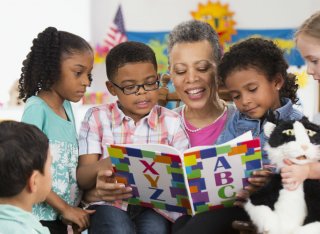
column 274, row 209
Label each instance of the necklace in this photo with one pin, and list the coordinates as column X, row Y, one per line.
column 198, row 129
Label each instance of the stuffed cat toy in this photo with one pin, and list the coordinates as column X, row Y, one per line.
column 274, row 209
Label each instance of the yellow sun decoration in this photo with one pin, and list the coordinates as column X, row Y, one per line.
column 219, row 17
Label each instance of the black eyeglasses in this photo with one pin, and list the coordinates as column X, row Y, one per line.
column 133, row 89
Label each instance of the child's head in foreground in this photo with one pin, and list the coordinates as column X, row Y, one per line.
column 25, row 163
column 58, row 61
column 308, row 43
column 255, row 73
column 132, row 73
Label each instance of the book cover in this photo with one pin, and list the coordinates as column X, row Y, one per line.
column 197, row 180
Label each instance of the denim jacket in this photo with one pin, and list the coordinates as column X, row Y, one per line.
column 239, row 124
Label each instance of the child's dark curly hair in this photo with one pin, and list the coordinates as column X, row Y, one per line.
column 20, row 156
column 128, row 52
column 262, row 55
column 42, row 67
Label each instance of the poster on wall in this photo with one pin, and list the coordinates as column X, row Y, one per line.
column 219, row 16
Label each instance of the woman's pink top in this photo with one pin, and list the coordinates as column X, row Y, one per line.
column 207, row 135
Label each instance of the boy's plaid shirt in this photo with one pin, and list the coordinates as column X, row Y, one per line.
column 107, row 124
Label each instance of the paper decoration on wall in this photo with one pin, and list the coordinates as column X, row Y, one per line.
column 94, row 98
column 219, row 17
column 308, row 90
column 282, row 37
column 115, row 36
column 160, row 50
column 302, row 78
column 158, row 41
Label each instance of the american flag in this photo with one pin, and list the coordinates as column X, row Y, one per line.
column 117, row 32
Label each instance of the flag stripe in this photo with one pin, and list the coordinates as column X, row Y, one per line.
column 117, row 32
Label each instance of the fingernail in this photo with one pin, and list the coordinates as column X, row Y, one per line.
column 108, row 173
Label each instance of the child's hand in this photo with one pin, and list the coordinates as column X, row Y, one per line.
column 77, row 217
column 258, row 179
column 293, row 175
column 241, row 198
column 107, row 189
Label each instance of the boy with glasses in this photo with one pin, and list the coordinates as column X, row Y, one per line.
column 134, row 119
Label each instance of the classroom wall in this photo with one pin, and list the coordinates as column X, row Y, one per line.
column 162, row 16
column 22, row 20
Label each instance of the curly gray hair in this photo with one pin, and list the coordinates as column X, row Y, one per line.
column 194, row 31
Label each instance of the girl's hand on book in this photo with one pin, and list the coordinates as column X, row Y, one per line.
column 258, row 179
column 241, row 198
column 107, row 188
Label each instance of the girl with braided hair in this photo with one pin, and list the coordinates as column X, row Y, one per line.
column 56, row 71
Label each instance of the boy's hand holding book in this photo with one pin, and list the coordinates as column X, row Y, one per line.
column 107, row 188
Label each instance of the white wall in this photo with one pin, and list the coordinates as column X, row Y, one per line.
column 22, row 20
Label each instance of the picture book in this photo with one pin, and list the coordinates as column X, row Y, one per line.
column 199, row 179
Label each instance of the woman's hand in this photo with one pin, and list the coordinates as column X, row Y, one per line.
column 77, row 217
column 293, row 175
